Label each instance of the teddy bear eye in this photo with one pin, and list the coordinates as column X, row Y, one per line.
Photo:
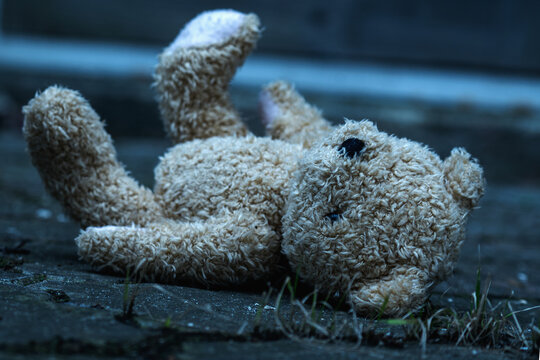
column 352, row 147
column 333, row 217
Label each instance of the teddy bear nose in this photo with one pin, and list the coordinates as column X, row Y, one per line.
column 352, row 147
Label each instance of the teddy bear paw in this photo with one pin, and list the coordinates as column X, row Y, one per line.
column 209, row 28
column 269, row 110
column 280, row 100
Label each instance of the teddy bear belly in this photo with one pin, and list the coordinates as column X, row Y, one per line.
column 205, row 178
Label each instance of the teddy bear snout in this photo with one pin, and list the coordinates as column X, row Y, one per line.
column 352, row 147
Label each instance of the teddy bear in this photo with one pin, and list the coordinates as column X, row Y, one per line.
column 354, row 210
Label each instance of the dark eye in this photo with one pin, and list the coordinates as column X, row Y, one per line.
column 333, row 217
column 352, row 147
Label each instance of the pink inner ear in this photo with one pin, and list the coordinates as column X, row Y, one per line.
column 208, row 28
column 268, row 109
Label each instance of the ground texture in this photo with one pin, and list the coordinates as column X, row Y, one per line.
column 53, row 306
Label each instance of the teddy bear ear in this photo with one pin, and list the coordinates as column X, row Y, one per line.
column 464, row 178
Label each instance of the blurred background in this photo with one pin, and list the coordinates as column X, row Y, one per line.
column 452, row 73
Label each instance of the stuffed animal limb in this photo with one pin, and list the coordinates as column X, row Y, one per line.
column 194, row 72
column 287, row 116
column 227, row 249
column 192, row 80
column 77, row 162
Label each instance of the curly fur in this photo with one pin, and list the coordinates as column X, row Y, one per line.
column 381, row 220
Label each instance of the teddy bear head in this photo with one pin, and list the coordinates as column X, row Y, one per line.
column 368, row 209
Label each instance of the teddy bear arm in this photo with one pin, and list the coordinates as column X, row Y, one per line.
column 77, row 162
column 402, row 291
column 287, row 116
column 194, row 72
column 223, row 250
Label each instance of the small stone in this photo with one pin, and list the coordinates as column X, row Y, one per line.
column 522, row 277
column 43, row 214
column 58, row 296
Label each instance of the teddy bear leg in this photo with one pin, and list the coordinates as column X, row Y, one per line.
column 402, row 291
column 287, row 116
column 77, row 162
column 194, row 73
column 223, row 250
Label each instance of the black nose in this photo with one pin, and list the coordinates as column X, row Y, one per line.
column 352, row 147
